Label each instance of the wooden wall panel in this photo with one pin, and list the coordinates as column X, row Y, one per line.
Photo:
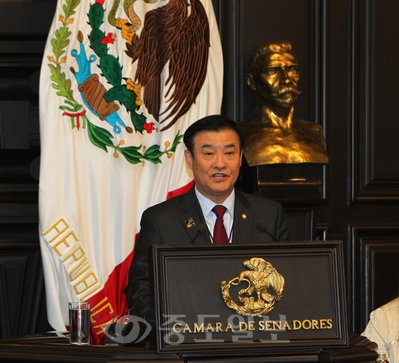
column 374, row 173
column 24, row 28
column 300, row 223
column 374, row 260
column 26, row 19
column 375, row 119
column 22, row 304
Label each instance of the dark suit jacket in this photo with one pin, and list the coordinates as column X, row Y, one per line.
column 166, row 223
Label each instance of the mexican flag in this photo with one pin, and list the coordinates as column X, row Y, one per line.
column 120, row 83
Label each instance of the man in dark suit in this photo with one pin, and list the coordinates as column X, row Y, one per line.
column 214, row 154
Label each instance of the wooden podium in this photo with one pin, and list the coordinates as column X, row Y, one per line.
column 241, row 297
column 277, row 299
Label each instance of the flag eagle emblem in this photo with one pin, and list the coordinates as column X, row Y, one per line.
column 174, row 36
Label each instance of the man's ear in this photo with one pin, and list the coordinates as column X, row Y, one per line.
column 250, row 81
column 189, row 159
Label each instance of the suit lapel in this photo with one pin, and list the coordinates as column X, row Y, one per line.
column 191, row 216
column 243, row 219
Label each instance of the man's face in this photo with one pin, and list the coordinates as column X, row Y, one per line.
column 216, row 163
column 278, row 80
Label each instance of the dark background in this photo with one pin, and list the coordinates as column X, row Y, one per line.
column 348, row 57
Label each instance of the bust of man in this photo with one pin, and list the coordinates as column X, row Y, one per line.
column 273, row 133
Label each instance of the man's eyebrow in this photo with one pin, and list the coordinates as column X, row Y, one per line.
column 224, row 146
column 229, row 145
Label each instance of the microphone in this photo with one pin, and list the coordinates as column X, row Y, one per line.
column 201, row 228
column 260, row 226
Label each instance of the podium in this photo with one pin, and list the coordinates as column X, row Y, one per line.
column 251, row 300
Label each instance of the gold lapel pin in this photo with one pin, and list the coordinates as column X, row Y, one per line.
column 244, row 216
column 190, row 223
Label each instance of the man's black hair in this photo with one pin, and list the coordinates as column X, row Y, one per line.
column 213, row 123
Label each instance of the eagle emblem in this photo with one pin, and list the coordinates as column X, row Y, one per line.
column 168, row 52
column 174, row 36
column 264, row 288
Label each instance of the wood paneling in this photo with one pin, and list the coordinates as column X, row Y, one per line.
column 375, row 177
column 22, row 304
column 23, row 31
column 300, row 223
column 374, row 260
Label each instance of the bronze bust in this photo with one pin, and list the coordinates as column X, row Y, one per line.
column 273, row 133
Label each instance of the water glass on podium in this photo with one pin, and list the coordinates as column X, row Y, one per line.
column 79, row 323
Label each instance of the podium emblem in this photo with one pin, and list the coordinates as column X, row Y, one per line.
column 264, row 287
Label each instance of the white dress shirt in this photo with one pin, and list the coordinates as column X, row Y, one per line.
column 210, row 217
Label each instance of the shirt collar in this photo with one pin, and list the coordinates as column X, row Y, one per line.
column 207, row 204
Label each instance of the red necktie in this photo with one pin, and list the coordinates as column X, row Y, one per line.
column 219, row 232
